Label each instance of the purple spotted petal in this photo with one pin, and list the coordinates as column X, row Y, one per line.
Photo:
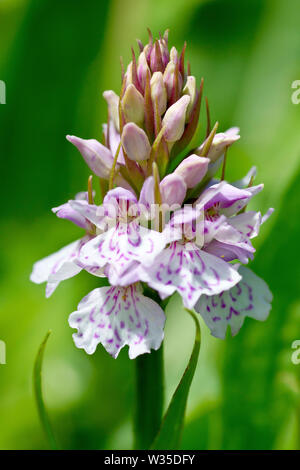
column 212, row 227
column 189, row 271
column 240, row 204
column 247, row 223
column 115, row 317
column 251, row 297
column 228, row 252
column 121, row 245
column 58, row 266
column 118, row 194
column 223, row 194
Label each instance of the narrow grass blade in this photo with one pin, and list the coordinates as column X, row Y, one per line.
column 37, row 387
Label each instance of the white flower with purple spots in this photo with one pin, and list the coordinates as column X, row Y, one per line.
column 174, row 227
column 65, row 263
column 251, row 297
column 115, row 317
column 125, row 243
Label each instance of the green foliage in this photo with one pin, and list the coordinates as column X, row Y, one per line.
column 37, row 386
column 172, row 425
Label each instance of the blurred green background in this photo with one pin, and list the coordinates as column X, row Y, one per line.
column 57, row 57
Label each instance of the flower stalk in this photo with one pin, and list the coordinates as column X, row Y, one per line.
column 149, row 398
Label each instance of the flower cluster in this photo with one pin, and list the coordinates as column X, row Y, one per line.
column 166, row 224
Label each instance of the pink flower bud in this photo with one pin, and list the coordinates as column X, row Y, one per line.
column 164, row 50
column 156, row 61
column 172, row 189
column 142, row 69
column 97, row 157
column 192, row 169
column 174, row 120
column 135, row 142
column 112, row 100
column 190, row 90
column 128, row 75
column 169, row 78
column 220, row 141
column 158, row 92
column 174, row 55
column 133, row 105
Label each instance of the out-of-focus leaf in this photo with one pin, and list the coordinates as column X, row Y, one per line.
column 172, row 426
column 256, row 402
column 37, row 385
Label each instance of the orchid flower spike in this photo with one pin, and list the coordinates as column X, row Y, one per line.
column 165, row 223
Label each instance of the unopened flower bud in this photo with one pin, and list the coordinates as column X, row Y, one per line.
column 135, row 142
column 192, row 169
column 142, row 69
column 158, row 92
column 112, row 100
column 128, row 75
column 169, row 78
column 174, row 55
column 164, row 49
column 156, row 62
column 172, row 189
column 174, row 120
column 97, row 157
column 133, row 105
column 190, row 90
column 219, row 143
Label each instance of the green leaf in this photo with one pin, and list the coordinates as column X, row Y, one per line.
column 170, row 432
column 37, row 386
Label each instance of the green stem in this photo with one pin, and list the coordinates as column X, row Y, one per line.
column 149, row 397
column 149, row 382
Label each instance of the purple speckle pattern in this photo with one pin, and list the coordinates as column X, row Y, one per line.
column 115, row 317
column 120, row 246
column 250, row 297
column 189, row 271
column 59, row 266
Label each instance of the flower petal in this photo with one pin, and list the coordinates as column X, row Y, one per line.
column 189, row 271
column 91, row 212
column 228, row 252
column 115, row 317
column 247, row 223
column 97, row 156
column 192, row 169
column 229, row 199
column 121, row 245
column 173, row 189
column 250, row 297
column 113, row 138
column 147, row 193
column 66, row 211
column 58, row 266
